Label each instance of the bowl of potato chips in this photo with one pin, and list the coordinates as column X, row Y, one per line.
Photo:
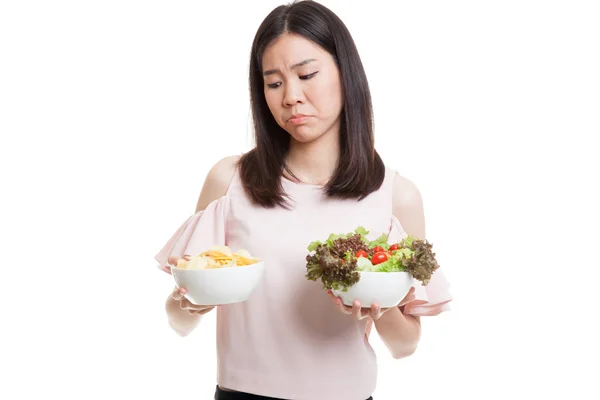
column 218, row 276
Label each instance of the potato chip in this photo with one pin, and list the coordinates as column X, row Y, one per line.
column 221, row 249
column 243, row 253
column 218, row 256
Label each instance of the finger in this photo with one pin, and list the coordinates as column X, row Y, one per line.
column 172, row 260
column 186, row 257
column 343, row 308
column 337, row 300
column 330, row 294
column 375, row 311
column 356, row 309
column 191, row 307
column 195, row 311
column 188, row 305
column 178, row 293
column 203, row 310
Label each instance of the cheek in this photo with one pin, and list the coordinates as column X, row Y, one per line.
column 329, row 98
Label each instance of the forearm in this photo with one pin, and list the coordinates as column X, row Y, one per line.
column 181, row 321
column 400, row 332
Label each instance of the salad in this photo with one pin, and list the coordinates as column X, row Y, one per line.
column 338, row 261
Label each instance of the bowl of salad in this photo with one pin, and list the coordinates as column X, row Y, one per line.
column 218, row 276
column 370, row 271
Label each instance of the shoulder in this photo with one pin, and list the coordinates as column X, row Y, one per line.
column 221, row 173
column 217, row 181
column 405, row 191
column 407, row 205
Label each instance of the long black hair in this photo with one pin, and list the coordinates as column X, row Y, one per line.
column 360, row 170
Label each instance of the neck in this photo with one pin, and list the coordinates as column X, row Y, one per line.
column 314, row 162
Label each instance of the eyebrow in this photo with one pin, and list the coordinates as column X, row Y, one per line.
column 274, row 71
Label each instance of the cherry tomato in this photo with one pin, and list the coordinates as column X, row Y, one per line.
column 362, row 253
column 394, row 247
column 378, row 249
column 379, row 257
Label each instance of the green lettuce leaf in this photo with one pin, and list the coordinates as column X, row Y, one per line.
column 380, row 241
column 313, row 245
column 361, row 231
column 364, row 264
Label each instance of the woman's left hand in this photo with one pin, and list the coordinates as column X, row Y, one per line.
column 375, row 311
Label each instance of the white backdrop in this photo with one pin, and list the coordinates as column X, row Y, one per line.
column 112, row 112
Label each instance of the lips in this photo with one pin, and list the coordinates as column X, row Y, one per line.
column 297, row 116
column 298, row 119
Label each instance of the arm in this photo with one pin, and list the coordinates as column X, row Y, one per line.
column 215, row 186
column 401, row 332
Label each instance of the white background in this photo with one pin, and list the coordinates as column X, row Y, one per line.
column 112, row 112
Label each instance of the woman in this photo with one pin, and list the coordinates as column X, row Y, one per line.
column 313, row 171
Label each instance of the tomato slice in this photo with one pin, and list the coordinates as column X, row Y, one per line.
column 394, row 247
column 362, row 253
column 378, row 249
column 379, row 257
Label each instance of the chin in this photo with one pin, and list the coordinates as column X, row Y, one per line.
column 304, row 138
column 304, row 134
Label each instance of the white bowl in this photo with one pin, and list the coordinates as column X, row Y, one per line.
column 219, row 286
column 384, row 288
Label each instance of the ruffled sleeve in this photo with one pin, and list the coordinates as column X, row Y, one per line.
column 197, row 233
column 431, row 299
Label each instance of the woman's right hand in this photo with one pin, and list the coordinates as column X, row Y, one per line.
column 178, row 294
column 185, row 304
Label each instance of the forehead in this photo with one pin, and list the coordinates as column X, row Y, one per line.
column 289, row 49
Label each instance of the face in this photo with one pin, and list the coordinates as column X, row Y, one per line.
column 302, row 88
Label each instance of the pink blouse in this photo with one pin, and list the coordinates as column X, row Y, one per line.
column 289, row 340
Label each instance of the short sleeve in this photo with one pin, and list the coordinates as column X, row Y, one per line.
column 197, row 233
column 431, row 299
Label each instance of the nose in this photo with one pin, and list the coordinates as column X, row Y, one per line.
column 293, row 94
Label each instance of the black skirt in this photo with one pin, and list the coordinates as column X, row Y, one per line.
column 226, row 395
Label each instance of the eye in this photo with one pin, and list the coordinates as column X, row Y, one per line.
column 274, row 85
column 306, row 77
